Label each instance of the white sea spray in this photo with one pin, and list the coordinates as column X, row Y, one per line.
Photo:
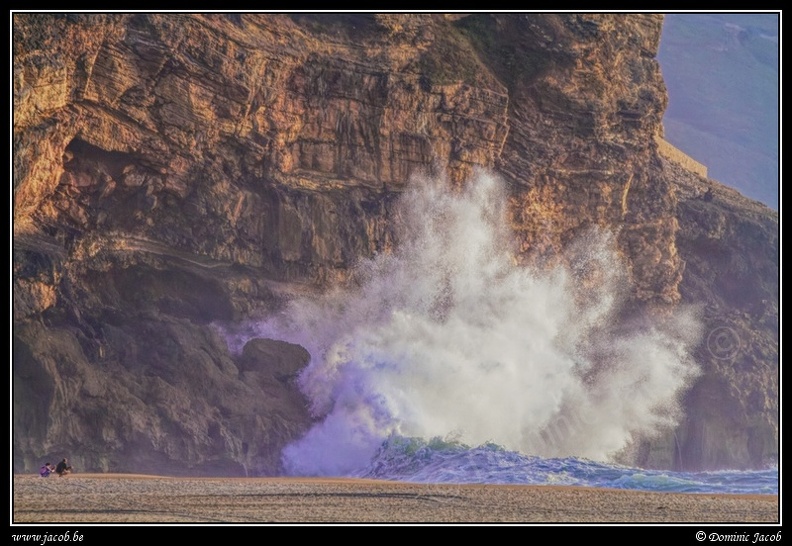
column 448, row 335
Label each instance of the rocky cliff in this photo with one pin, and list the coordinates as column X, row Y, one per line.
column 176, row 170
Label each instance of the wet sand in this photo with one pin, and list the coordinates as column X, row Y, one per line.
column 124, row 498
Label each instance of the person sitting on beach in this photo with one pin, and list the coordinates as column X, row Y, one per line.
column 63, row 468
column 46, row 470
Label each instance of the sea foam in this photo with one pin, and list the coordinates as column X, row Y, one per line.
column 448, row 336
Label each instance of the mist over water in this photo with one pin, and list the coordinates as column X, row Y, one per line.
column 448, row 337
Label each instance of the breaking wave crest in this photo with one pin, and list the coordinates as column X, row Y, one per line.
column 448, row 337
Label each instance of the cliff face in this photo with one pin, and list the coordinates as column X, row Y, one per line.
column 175, row 170
column 730, row 246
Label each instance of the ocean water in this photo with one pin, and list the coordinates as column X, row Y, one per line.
column 449, row 335
column 440, row 461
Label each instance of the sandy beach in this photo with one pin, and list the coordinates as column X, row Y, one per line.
column 123, row 498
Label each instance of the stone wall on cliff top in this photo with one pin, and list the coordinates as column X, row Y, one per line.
column 171, row 170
